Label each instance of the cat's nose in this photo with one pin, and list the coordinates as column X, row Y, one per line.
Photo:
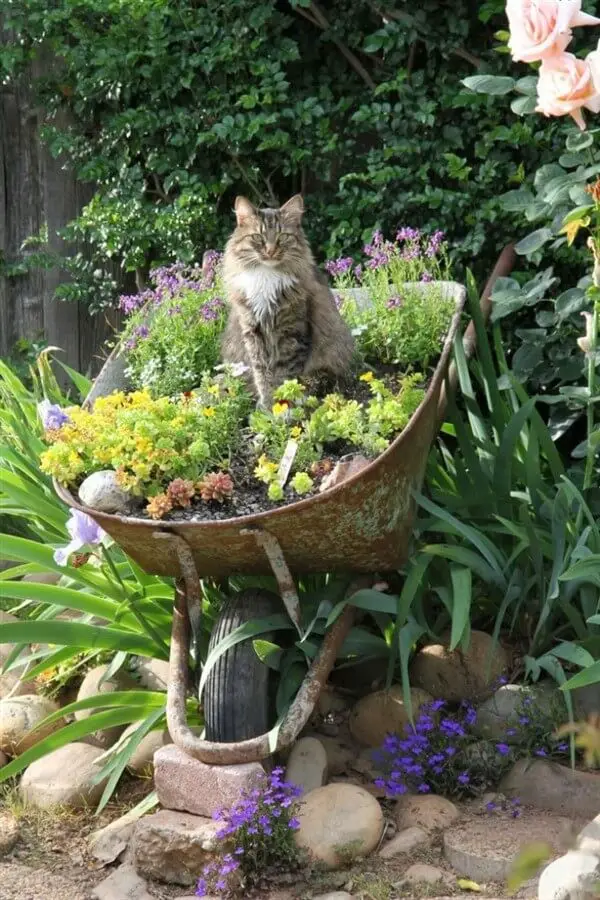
column 270, row 249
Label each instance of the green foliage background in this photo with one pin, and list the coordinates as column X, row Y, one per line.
column 174, row 106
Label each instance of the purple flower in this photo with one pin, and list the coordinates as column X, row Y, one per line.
column 202, row 888
column 83, row 531
column 358, row 272
column 423, row 788
column 294, row 824
column 51, row 415
column 408, row 234
column 541, row 752
column 340, row 266
column 503, row 749
column 434, row 244
column 562, row 748
column 524, row 720
column 491, row 806
column 426, row 277
column 464, row 778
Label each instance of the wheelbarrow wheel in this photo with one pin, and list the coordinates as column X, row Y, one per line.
column 238, row 696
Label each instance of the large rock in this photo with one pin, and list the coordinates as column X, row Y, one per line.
column 485, row 847
column 65, row 777
column 93, row 684
column 9, row 832
column 108, row 843
column 456, row 676
column 422, row 873
column 184, row 783
column 101, row 491
column 340, row 754
column 405, row 841
column 377, row 715
column 338, row 823
column 13, row 683
column 153, row 674
column 18, row 716
column 511, row 705
column 548, row 785
column 141, row 761
column 427, row 811
column 307, row 764
column 573, row 876
column 174, row 846
column 123, row 884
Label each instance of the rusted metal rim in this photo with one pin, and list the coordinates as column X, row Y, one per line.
column 262, row 518
column 258, row 748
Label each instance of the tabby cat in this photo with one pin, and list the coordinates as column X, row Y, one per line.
column 283, row 322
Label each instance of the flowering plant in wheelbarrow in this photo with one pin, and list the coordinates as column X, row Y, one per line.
column 187, row 444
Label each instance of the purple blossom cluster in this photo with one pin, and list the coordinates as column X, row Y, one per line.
column 169, row 281
column 410, row 244
column 503, row 805
column 212, row 309
column 257, row 832
column 429, row 756
column 139, row 333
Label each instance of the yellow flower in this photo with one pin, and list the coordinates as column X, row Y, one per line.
column 213, row 389
column 367, row 376
column 296, row 431
column 280, row 408
column 265, row 469
column 208, row 411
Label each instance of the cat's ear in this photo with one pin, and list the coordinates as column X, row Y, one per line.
column 293, row 210
column 244, row 210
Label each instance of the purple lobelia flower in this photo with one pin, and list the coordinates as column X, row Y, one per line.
column 84, row 532
column 52, row 415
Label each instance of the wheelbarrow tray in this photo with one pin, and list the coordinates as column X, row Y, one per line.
column 363, row 524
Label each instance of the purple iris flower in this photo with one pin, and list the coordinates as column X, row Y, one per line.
column 83, row 531
column 52, row 415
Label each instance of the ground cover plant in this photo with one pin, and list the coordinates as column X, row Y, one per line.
column 187, row 443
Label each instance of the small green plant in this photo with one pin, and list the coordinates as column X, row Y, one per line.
column 173, row 334
column 401, row 324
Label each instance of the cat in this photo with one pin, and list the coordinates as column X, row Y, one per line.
column 283, row 322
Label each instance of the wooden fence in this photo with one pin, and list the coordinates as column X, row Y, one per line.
column 36, row 191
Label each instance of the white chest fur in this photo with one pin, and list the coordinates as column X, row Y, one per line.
column 262, row 288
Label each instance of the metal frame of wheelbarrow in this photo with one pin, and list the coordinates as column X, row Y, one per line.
column 187, row 610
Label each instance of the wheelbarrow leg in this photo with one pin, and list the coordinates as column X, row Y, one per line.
column 260, row 747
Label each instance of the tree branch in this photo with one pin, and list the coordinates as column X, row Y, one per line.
column 319, row 19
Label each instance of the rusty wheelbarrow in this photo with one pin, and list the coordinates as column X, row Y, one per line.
column 361, row 526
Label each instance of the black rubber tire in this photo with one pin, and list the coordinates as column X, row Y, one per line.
column 238, row 696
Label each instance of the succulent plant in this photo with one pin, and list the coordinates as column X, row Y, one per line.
column 159, row 506
column 181, row 492
column 216, row 486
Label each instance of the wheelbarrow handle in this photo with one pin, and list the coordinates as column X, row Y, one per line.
column 504, row 266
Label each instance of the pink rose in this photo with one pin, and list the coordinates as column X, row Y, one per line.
column 566, row 86
column 542, row 28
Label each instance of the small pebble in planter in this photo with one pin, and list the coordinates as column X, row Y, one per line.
column 257, row 833
column 102, row 491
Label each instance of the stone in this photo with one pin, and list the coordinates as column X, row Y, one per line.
column 456, row 675
column 65, row 777
column 427, row 811
column 573, row 876
column 586, row 700
column 18, row 716
column 375, row 716
column 339, row 754
column 422, row 873
column 184, row 783
column 174, row 846
column 307, row 764
column 141, row 761
column 502, row 710
column 108, row 843
column 335, row 895
column 101, row 491
column 484, row 848
column 331, row 703
column 344, row 469
column 338, row 823
column 42, row 577
column 588, row 839
column 548, row 785
column 9, row 832
column 11, row 684
column 91, row 685
column 153, row 674
column 123, row 884
column 404, row 842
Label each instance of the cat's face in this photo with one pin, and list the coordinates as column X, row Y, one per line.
column 269, row 237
